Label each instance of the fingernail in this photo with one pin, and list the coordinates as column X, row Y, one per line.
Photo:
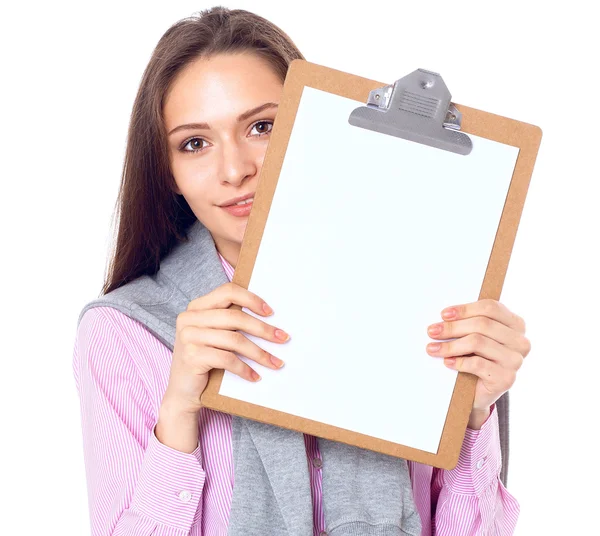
column 281, row 335
column 434, row 347
column 435, row 329
column 449, row 361
column 255, row 376
column 267, row 309
column 450, row 313
column 276, row 361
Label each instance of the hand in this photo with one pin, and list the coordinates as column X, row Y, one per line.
column 206, row 338
column 491, row 342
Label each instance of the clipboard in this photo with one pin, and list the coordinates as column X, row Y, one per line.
column 417, row 109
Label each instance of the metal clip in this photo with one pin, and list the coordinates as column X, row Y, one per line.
column 416, row 107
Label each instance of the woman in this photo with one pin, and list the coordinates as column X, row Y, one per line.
column 156, row 462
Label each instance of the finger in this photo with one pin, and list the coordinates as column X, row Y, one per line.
column 228, row 294
column 480, row 345
column 229, row 340
column 231, row 319
column 495, row 377
column 221, row 359
column 485, row 326
column 492, row 309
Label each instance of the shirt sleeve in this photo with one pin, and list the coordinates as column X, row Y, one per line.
column 137, row 486
column 470, row 500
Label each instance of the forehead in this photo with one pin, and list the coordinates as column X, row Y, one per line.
column 220, row 88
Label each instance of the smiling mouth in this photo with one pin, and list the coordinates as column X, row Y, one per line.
column 241, row 203
column 241, row 209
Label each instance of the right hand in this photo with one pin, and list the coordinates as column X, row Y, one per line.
column 206, row 338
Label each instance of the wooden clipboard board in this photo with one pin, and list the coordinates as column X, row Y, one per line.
column 494, row 127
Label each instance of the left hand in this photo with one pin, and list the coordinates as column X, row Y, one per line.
column 491, row 340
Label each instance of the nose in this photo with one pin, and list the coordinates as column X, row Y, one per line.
column 238, row 162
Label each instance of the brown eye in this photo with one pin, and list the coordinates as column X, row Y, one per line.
column 263, row 127
column 197, row 144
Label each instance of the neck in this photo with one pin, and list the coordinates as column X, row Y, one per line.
column 229, row 250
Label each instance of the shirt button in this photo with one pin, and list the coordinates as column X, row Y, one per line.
column 318, row 464
column 322, row 533
column 185, row 495
column 479, row 464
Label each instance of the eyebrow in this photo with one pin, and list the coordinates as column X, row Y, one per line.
column 241, row 117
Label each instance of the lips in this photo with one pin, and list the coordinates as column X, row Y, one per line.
column 239, row 211
column 248, row 201
column 237, row 200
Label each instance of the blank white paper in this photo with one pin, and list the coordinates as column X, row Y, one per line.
column 368, row 238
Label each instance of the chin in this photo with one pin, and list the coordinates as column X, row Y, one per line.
column 239, row 229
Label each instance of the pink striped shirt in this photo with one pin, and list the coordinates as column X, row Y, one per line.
column 138, row 486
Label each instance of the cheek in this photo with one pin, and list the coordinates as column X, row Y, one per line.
column 193, row 181
column 260, row 153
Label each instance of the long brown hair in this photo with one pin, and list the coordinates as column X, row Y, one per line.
column 151, row 216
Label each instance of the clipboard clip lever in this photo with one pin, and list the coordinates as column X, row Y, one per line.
column 417, row 108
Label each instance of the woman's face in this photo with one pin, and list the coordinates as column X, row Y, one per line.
column 219, row 113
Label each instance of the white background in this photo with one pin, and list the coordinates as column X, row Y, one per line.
column 70, row 72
